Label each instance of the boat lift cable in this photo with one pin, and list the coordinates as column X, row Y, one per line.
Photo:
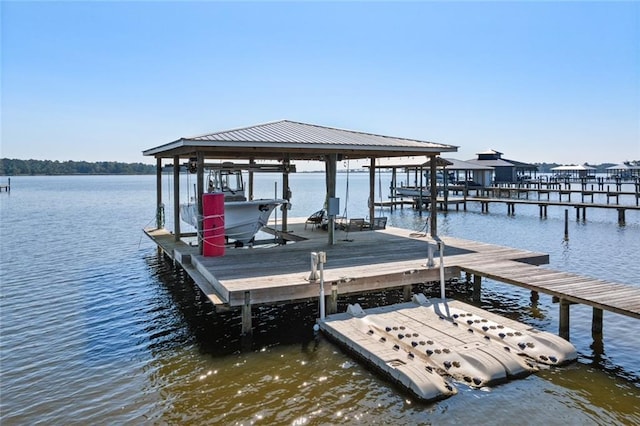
column 423, row 231
column 346, row 195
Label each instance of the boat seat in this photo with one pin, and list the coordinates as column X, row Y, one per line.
column 315, row 219
column 355, row 225
column 379, row 223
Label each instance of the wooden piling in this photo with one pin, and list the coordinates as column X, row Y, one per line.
column 247, row 327
column 535, row 296
column 407, row 291
column 596, row 323
column 332, row 305
column 564, row 319
column 477, row 287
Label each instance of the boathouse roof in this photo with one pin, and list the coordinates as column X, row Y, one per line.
column 421, row 161
column 298, row 141
column 573, row 168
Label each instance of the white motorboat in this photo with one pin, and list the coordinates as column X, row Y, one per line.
column 242, row 218
column 412, row 191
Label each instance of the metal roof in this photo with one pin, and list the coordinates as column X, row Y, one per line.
column 574, row 168
column 424, row 162
column 503, row 162
column 298, row 141
column 465, row 165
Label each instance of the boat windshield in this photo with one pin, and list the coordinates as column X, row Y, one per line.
column 227, row 181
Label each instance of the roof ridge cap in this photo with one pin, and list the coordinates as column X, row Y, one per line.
column 235, row 129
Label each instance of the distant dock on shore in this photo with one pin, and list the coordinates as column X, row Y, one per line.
column 6, row 187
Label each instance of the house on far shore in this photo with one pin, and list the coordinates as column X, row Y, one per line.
column 504, row 170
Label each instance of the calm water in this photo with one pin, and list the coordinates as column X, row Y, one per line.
column 96, row 329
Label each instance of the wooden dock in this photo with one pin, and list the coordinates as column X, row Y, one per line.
column 579, row 206
column 425, row 345
column 428, row 345
column 357, row 264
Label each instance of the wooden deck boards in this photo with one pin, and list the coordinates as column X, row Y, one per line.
column 364, row 261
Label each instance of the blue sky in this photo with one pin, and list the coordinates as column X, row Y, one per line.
column 538, row 81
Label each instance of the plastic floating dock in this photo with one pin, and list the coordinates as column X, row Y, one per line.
column 429, row 345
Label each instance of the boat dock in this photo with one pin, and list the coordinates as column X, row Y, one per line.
column 513, row 196
column 424, row 345
column 259, row 275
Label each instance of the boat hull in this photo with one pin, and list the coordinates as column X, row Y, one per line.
column 412, row 192
column 242, row 219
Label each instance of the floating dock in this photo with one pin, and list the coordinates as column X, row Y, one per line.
column 429, row 345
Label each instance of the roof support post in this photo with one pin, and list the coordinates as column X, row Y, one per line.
column 286, row 193
column 176, row 197
column 433, row 208
column 199, row 192
column 392, row 189
column 331, row 161
column 372, row 190
column 420, row 188
column 251, row 163
column 158, row 190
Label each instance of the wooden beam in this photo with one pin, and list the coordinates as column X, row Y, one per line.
column 331, row 161
column 286, row 193
column 433, row 209
column 251, row 163
column 176, row 197
column 158, row 191
column 247, row 326
column 596, row 323
column 198, row 195
column 564, row 319
column 477, row 287
column 372, row 190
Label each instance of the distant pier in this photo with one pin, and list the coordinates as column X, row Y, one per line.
column 536, row 193
column 7, row 187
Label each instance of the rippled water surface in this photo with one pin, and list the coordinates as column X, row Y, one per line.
column 96, row 328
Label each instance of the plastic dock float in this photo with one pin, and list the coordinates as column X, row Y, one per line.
column 428, row 345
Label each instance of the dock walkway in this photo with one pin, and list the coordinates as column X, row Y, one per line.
column 367, row 261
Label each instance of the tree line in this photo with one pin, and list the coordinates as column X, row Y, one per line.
column 13, row 167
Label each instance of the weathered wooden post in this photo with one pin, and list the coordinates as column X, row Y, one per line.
column 247, row 328
column 407, row 292
column 286, row 193
column 477, row 287
column 564, row 319
column 176, row 198
column 535, row 297
column 596, row 324
column 333, row 300
column 252, row 162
